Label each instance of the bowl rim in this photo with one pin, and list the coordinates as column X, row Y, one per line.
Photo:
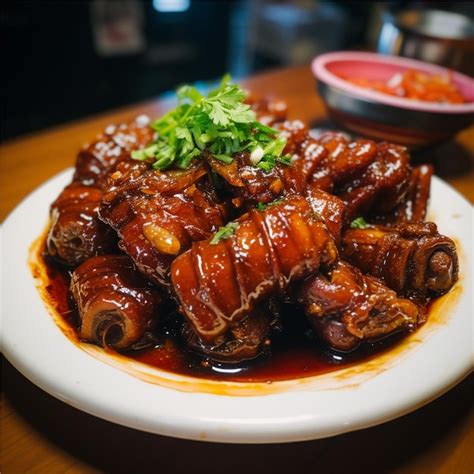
column 320, row 71
column 394, row 18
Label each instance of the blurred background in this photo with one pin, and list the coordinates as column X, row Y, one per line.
column 69, row 59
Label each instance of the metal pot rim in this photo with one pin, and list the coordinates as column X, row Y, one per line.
column 394, row 19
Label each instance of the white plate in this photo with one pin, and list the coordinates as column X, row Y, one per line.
column 429, row 363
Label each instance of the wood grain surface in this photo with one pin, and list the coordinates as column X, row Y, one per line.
column 41, row 434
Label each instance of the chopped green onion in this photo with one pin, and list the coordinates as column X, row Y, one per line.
column 359, row 223
column 265, row 128
column 224, row 232
column 263, row 207
column 220, row 122
column 224, row 158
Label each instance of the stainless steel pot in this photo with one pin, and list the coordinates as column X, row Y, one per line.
column 435, row 36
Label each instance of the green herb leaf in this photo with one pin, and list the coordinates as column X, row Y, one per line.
column 220, row 122
column 218, row 114
column 224, row 158
column 275, row 147
column 267, row 163
column 262, row 206
column 139, row 155
column 359, row 223
column 150, row 151
column 184, row 161
column 242, row 114
column 188, row 92
column 183, row 133
column 224, row 232
column 285, row 160
column 265, row 128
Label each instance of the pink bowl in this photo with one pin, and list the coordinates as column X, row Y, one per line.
column 383, row 116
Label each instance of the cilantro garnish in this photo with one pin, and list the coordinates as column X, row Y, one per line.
column 359, row 223
column 224, row 232
column 220, row 123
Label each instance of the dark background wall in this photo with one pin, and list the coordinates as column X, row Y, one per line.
column 53, row 70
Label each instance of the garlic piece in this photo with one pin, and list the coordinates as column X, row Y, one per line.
column 256, row 155
column 162, row 239
column 276, row 186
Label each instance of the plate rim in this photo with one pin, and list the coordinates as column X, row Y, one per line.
column 230, row 429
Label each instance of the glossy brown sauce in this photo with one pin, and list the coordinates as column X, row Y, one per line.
column 294, row 354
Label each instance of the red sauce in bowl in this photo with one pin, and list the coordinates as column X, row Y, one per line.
column 415, row 85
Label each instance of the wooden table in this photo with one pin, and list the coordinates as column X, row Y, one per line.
column 42, row 434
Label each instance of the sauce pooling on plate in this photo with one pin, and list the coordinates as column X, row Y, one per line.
column 296, row 355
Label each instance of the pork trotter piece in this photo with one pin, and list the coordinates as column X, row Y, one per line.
column 219, row 282
column 76, row 233
column 115, row 144
column 157, row 215
column 269, row 110
column 414, row 204
column 343, row 162
column 346, row 307
column 116, row 303
column 381, row 187
column 410, row 258
column 245, row 340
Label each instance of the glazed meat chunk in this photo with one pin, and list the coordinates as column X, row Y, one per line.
column 76, row 232
column 346, row 307
column 218, row 283
column 157, row 215
column 245, row 340
column 113, row 145
column 411, row 258
column 116, row 304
